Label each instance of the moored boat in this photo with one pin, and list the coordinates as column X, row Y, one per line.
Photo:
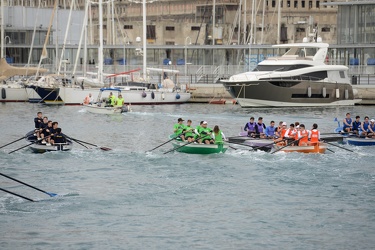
column 38, row 147
column 318, row 148
column 196, row 148
column 300, row 78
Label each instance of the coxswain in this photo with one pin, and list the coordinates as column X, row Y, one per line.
column 218, row 135
column 314, row 135
column 347, row 123
column 38, row 120
column 250, row 127
column 178, row 128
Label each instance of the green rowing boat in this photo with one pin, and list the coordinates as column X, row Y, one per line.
column 196, row 148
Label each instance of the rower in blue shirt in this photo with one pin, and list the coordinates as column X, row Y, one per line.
column 270, row 130
column 356, row 125
column 347, row 123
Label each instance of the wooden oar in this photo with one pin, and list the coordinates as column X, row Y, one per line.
column 13, row 141
column 183, row 145
column 166, row 142
column 267, row 145
column 340, row 147
column 50, row 194
column 76, row 140
column 290, row 143
column 9, row 192
column 31, row 143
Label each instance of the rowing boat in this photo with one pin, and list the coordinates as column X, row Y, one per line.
column 197, row 148
column 318, row 148
column 38, row 147
column 359, row 141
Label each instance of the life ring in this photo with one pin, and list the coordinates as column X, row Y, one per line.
column 178, row 96
column 3, row 93
column 152, row 95
column 144, row 94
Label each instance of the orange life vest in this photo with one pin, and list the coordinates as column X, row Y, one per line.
column 314, row 136
column 304, row 137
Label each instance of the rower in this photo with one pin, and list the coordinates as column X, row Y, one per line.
column 364, row 127
column 314, row 135
column 356, row 125
column 218, row 135
column 347, row 123
column 58, row 137
column 205, row 133
column 189, row 131
column 371, row 129
column 303, row 135
column 38, row 120
column 270, row 130
column 178, row 128
column 259, row 128
column 250, row 127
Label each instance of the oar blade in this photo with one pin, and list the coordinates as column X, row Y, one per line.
column 105, row 148
column 51, row 194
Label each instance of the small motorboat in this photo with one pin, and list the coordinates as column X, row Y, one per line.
column 101, row 107
column 39, row 147
column 197, row 148
column 317, row 148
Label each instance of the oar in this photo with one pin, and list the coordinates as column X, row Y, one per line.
column 165, row 143
column 76, row 140
column 50, row 194
column 290, row 143
column 182, row 145
column 267, row 145
column 13, row 142
column 31, row 143
column 6, row 191
column 339, row 147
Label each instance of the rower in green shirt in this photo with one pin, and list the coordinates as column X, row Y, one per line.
column 178, row 129
column 189, row 131
column 205, row 134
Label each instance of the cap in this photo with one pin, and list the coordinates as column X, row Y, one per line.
column 204, row 122
column 284, row 123
column 297, row 126
column 180, row 120
column 372, row 120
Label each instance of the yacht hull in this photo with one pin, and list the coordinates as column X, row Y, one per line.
column 282, row 93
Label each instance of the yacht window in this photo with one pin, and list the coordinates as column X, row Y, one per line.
column 280, row 67
column 342, row 74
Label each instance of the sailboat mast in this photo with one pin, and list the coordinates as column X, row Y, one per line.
column 2, row 28
column 100, row 49
column 144, row 39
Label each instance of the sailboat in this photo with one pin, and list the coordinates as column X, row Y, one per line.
column 142, row 92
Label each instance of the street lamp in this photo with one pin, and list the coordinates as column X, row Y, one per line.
column 5, row 43
column 186, row 44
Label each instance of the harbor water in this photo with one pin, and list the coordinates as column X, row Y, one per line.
column 130, row 198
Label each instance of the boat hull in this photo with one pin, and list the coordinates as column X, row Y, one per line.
column 317, row 148
column 196, row 148
column 283, row 93
column 75, row 96
column 42, row 148
column 357, row 141
column 96, row 109
column 13, row 94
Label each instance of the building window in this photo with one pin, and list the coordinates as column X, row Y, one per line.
column 317, row 4
column 303, row 4
column 273, row 3
column 128, row 27
column 325, row 6
column 169, row 28
column 151, row 32
column 288, row 4
column 195, row 28
column 300, row 29
column 342, row 74
column 310, row 4
column 326, row 29
column 295, row 4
